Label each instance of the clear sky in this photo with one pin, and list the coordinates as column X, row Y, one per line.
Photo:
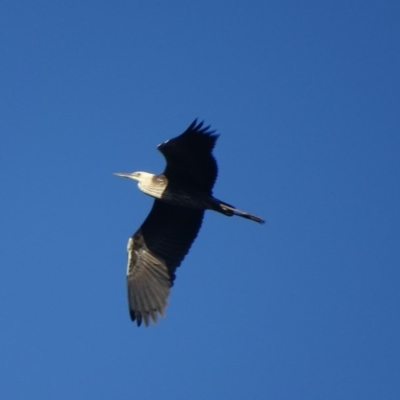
column 306, row 97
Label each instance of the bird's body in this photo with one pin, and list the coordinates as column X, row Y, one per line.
column 182, row 193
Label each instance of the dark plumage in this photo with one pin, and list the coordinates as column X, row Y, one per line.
column 182, row 193
column 189, row 158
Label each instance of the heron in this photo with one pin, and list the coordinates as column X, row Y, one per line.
column 182, row 193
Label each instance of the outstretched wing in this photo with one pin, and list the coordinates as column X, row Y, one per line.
column 154, row 253
column 190, row 162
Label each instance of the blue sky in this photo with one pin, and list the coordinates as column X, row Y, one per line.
column 306, row 98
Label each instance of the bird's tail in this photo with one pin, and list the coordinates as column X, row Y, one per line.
column 229, row 210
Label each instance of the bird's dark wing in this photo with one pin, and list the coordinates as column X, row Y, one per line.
column 190, row 162
column 154, row 253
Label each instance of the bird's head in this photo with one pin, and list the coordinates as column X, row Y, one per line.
column 140, row 176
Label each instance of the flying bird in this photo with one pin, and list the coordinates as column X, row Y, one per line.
column 182, row 193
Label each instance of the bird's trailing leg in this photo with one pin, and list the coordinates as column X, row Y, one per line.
column 229, row 210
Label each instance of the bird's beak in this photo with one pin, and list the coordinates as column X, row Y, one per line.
column 124, row 175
